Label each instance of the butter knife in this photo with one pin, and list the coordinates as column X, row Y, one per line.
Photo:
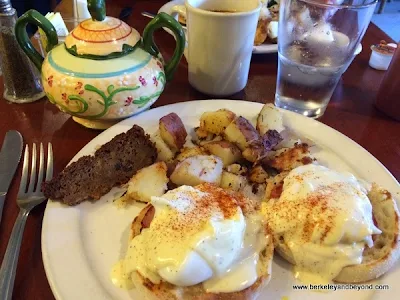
column 10, row 156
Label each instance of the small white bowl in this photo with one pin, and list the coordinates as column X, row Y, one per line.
column 379, row 60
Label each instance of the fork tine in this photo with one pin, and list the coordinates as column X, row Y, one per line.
column 33, row 170
column 41, row 169
column 49, row 171
column 24, row 176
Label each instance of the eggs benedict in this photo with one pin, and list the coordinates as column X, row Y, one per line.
column 325, row 223
column 195, row 240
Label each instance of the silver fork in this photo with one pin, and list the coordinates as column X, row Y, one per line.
column 28, row 198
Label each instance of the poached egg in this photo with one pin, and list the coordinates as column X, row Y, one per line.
column 198, row 235
column 325, row 220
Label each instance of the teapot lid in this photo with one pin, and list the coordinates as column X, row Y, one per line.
column 101, row 36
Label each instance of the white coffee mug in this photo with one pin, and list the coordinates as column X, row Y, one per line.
column 220, row 43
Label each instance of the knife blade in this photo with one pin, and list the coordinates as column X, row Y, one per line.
column 10, row 155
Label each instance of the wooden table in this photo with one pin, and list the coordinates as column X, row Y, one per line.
column 350, row 111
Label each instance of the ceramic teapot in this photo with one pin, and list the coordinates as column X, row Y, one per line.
column 104, row 71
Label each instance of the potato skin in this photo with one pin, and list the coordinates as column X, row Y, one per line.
column 173, row 131
column 241, row 132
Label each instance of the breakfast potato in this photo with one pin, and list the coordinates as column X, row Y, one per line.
column 188, row 152
column 201, row 136
column 254, row 153
column 287, row 159
column 241, row 132
column 173, row 131
column 254, row 191
column 259, row 149
column 258, row 174
column 198, row 169
column 149, row 181
column 216, row 121
column 274, row 186
column 228, row 152
column 237, row 169
column 269, row 118
column 217, row 138
column 232, row 181
column 164, row 153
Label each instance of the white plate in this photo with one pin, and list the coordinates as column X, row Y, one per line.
column 261, row 49
column 80, row 244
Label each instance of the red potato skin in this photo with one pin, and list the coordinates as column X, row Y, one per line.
column 247, row 129
column 174, row 125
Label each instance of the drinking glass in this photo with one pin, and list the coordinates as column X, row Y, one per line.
column 317, row 41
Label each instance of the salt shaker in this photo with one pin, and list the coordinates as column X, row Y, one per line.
column 21, row 79
column 388, row 98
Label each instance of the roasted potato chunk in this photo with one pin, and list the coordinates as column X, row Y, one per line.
column 228, row 152
column 254, row 153
column 172, row 131
column 288, row 159
column 201, row 136
column 258, row 174
column 260, row 148
column 275, row 186
column 232, row 181
column 237, row 169
column 149, row 181
column 216, row 121
column 188, row 152
column 198, row 169
column 164, row 153
column 241, row 133
column 269, row 118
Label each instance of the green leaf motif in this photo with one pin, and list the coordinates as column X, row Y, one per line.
column 143, row 100
column 161, row 77
column 110, row 88
column 107, row 100
column 84, row 106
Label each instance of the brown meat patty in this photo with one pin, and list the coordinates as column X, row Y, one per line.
column 113, row 164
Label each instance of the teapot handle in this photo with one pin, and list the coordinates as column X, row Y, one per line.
column 165, row 20
column 34, row 17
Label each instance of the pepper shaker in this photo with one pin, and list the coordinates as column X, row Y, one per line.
column 21, row 79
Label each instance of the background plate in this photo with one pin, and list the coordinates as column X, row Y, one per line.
column 80, row 244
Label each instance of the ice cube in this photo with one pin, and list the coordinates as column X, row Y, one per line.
column 320, row 34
